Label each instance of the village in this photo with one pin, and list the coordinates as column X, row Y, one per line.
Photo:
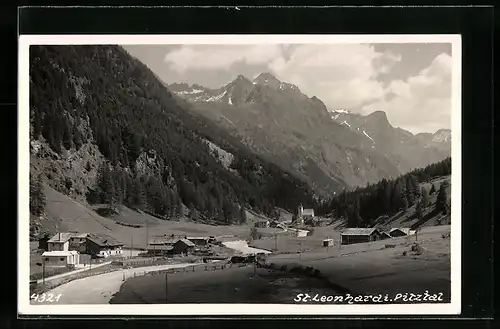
column 65, row 252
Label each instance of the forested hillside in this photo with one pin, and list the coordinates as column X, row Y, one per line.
column 363, row 206
column 156, row 153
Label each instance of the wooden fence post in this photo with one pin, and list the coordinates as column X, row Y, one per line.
column 166, row 286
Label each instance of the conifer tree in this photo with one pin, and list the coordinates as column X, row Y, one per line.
column 37, row 196
column 106, row 186
column 442, row 200
column 425, row 197
column 138, row 198
column 419, row 210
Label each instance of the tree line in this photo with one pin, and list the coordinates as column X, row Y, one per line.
column 130, row 112
column 362, row 206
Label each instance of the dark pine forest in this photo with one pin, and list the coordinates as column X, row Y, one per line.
column 129, row 112
column 362, row 206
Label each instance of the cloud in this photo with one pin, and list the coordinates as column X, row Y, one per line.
column 220, row 57
column 356, row 76
column 421, row 103
column 342, row 75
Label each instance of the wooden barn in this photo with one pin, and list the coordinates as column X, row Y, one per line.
column 360, row 235
column 183, row 246
column 400, row 231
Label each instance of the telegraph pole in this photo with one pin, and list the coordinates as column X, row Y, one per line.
column 276, row 241
column 43, row 271
column 131, row 244
column 166, row 286
column 147, row 233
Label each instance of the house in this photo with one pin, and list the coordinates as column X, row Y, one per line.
column 61, row 258
column 164, row 240
column 199, row 240
column 262, row 223
column 360, row 235
column 159, row 250
column 327, row 242
column 78, row 242
column 103, row 245
column 385, row 235
column 59, row 242
column 399, row 231
column 183, row 246
column 43, row 242
column 68, row 241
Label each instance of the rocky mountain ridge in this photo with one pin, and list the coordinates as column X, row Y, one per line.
column 331, row 150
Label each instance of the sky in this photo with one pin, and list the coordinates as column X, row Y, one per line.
column 411, row 82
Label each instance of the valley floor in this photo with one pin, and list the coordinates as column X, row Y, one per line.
column 357, row 269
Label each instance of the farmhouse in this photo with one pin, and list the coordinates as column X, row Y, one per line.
column 385, row 235
column 183, row 246
column 59, row 242
column 199, row 240
column 159, row 250
column 78, row 242
column 360, row 235
column 67, row 241
column 103, row 245
column 61, row 258
column 163, row 240
column 400, row 231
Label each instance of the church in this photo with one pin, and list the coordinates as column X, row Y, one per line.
column 305, row 216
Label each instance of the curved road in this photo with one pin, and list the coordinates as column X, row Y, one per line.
column 99, row 289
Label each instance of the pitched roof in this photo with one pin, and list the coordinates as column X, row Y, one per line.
column 103, row 240
column 63, row 237
column 162, row 240
column 186, row 242
column 405, row 230
column 60, row 253
column 359, row 231
column 198, row 238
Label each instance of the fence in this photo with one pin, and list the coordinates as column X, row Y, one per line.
column 48, row 273
column 192, row 268
column 49, row 285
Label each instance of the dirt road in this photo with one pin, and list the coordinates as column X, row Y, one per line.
column 99, row 289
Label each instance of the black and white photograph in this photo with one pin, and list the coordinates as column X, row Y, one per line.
column 239, row 174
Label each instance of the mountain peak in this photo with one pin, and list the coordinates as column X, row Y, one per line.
column 241, row 77
column 267, row 79
column 442, row 135
column 266, row 75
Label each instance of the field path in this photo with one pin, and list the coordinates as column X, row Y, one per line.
column 99, row 289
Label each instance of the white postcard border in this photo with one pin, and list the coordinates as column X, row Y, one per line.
column 24, row 306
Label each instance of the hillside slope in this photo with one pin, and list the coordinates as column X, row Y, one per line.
column 63, row 214
column 104, row 130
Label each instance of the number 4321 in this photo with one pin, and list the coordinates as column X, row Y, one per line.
column 40, row 298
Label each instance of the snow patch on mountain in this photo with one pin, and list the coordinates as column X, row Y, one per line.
column 190, row 92
column 218, row 97
column 347, row 124
column 364, row 132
